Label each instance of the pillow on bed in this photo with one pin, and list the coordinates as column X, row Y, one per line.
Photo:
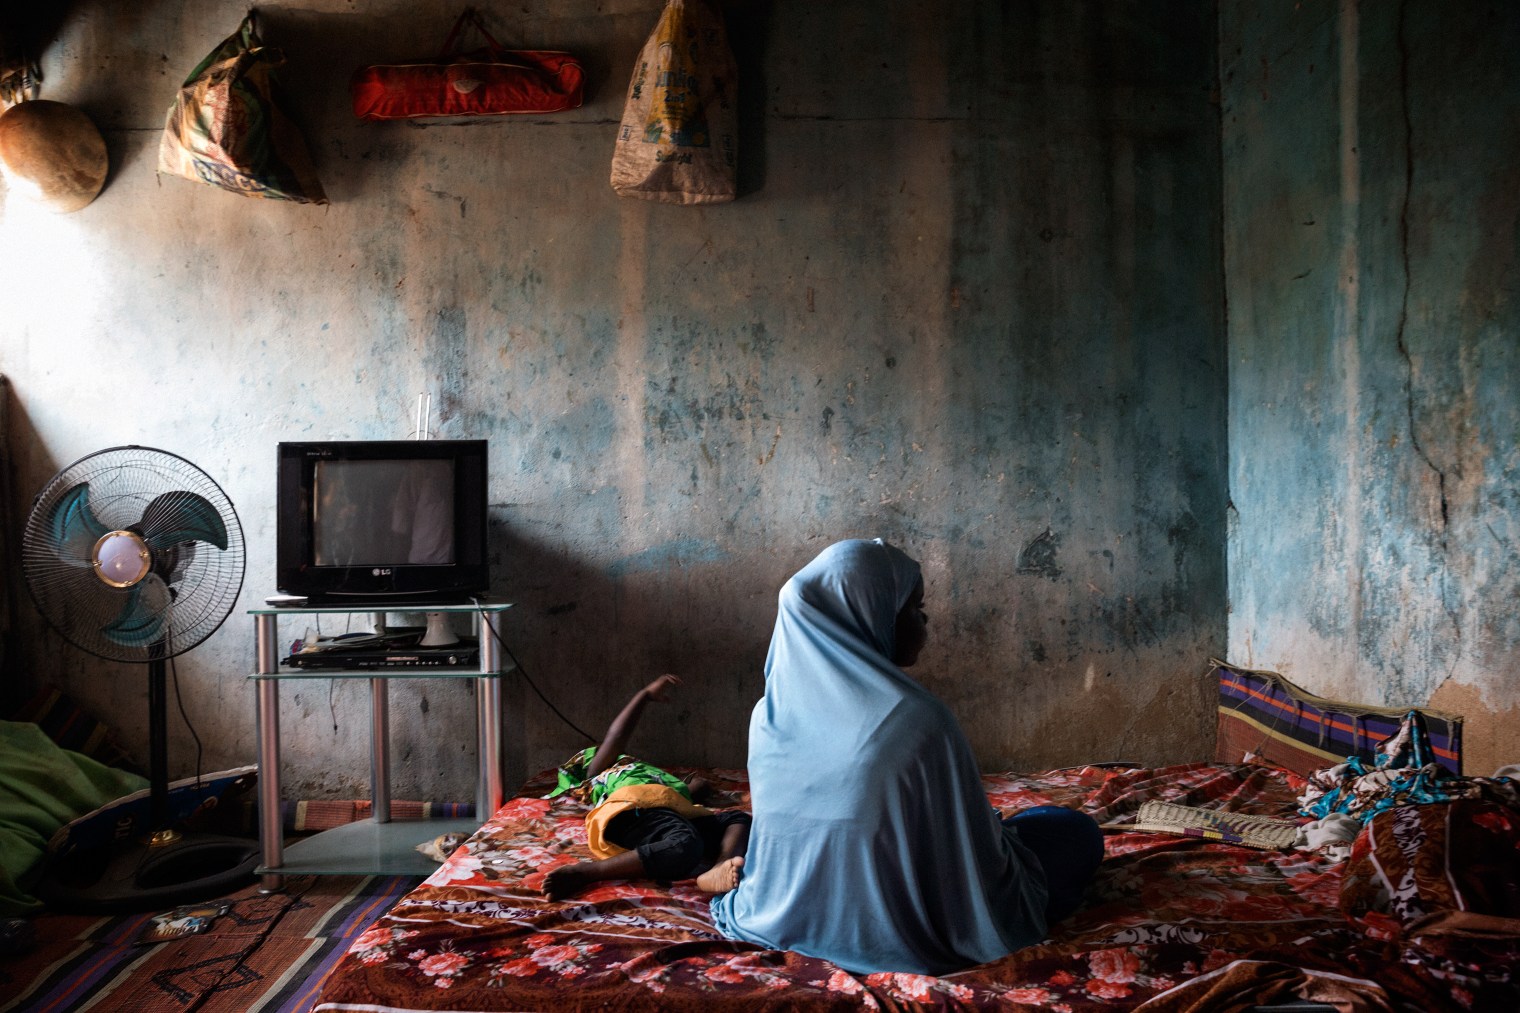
column 1419, row 860
column 1264, row 718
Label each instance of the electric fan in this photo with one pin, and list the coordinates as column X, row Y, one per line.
column 134, row 554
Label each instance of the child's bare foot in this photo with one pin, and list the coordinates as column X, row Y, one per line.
column 722, row 877
column 566, row 881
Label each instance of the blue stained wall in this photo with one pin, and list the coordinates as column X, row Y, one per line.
column 971, row 300
column 1371, row 206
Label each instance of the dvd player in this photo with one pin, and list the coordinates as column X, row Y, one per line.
column 399, row 649
column 453, row 656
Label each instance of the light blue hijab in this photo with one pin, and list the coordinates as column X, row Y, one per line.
column 874, row 845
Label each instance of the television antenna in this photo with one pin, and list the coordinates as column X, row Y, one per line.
column 423, row 417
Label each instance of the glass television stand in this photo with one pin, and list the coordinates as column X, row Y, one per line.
column 378, row 845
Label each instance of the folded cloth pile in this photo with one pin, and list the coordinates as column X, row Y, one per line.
column 1404, row 774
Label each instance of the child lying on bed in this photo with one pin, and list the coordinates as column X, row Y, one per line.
column 645, row 822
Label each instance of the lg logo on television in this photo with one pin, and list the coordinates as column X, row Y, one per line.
column 381, row 571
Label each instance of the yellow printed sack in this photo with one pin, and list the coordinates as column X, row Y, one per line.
column 677, row 140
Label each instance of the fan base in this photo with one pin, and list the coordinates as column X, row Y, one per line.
column 142, row 876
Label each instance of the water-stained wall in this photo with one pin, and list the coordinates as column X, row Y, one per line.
column 970, row 300
column 1372, row 207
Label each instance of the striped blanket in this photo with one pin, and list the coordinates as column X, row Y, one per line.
column 1264, row 718
column 267, row 954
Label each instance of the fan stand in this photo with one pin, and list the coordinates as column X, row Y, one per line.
column 167, row 867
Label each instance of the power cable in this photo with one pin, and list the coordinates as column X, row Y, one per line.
column 485, row 624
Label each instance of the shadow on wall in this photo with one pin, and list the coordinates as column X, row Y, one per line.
column 26, row 30
column 587, row 637
column 748, row 27
column 27, row 468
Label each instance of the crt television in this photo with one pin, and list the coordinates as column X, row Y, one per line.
column 382, row 521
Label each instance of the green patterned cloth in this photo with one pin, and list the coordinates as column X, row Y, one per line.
column 627, row 771
column 42, row 787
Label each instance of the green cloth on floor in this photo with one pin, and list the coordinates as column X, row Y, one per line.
column 42, row 787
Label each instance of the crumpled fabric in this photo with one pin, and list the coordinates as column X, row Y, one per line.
column 874, row 845
column 1404, row 773
column 1332, row 836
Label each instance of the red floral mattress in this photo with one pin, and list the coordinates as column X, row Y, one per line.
column 1170, row 923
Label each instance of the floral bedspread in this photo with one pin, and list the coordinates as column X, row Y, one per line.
column 1170, row 923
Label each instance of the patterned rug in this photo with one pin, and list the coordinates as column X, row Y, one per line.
column 267, row 954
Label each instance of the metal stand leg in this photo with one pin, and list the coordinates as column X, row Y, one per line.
column 489, row 792
column 380, row 750
column 271, row 828
column 488, row 796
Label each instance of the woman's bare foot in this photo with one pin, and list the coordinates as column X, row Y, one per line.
column 722, row 877
column 566, row 881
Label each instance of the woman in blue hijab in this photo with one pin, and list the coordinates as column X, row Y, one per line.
column 874, row 845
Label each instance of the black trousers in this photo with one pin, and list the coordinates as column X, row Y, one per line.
column 671, row 846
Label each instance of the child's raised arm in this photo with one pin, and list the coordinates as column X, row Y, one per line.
column 622, row 726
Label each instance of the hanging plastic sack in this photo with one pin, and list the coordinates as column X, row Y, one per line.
column 677, row 141
column 228, row 126
column 483, row 83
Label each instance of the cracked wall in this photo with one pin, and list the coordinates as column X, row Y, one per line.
column 1371, row 205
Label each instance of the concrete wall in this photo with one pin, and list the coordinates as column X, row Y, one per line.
column 970, row 300
column 1371, row 208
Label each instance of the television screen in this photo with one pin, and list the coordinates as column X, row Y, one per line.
column 374, row 513
column 382, row 519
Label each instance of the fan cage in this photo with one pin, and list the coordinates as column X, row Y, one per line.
column 122, row 482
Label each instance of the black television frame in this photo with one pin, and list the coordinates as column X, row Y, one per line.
column 296, row 569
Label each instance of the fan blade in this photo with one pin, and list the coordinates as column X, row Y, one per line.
column 177, row 517
column 72, row 526
column 173, row 564
column 144, row 617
